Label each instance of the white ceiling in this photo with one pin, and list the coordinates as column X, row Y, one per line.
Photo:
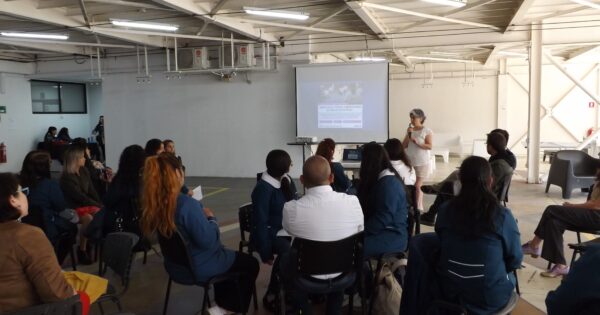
column 395, row 29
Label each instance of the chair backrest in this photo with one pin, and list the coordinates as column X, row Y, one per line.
column 70, row 306
column 117, row 254
column 503, row 193
column 582, row 163
column 321, row 258
column 245, row 219
column 175, row 250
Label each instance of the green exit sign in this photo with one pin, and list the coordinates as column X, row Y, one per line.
column 2, row 109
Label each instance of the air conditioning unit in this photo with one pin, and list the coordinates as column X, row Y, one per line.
column 193, row 58
column 245, row 55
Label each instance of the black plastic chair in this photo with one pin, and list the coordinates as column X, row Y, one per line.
column 70, row 306
column 309, row 258
column 117, row 254
column 571, row 169
column 245, row 220
column 64, row 239
column 414, row 214
column 175, row 250
column 503, row 194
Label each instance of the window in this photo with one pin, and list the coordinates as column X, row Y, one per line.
column 49, row 97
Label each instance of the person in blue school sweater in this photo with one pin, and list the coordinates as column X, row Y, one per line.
column 326, row 149
column 383, row 200
column 480, row 243
column 579, row 292
column 273, row 189
column 166, row 211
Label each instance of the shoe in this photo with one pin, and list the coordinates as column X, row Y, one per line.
column 83, row 258
column 555, row 271
column 428, row 189
column 428, row 218
column 527, row 249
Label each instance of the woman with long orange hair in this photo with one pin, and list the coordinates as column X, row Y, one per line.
column 166, row 210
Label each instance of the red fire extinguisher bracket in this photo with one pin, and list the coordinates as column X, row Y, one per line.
column 2, row 153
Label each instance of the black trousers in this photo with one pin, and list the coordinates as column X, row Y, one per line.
column 555, row 220
column 229, row 294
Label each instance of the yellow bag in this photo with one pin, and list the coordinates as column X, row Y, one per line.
column 92, row 285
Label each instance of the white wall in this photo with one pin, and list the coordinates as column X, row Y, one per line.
column 21, row 130
column 220, row 129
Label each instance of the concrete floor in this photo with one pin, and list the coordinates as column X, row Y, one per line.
column 225, row 195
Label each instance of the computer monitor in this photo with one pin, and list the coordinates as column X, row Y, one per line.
column 352, row 155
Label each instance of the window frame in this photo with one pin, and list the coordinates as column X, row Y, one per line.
column 60, row 105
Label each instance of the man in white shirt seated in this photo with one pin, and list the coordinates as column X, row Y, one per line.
column 321, row 215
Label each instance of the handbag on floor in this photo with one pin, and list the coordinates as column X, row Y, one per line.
column 388, row 291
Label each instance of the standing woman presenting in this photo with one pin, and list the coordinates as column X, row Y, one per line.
column 418, row 143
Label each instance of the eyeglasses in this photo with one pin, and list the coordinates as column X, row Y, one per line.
column 24, row 190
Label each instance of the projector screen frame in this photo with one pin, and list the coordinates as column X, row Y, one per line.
column 296, row 66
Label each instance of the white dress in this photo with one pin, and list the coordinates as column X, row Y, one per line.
column 418, row 156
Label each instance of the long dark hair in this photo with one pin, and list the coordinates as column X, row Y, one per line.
column 476, row 206
column 326, row 148
column 374, row 160
column 131, row 163
column 278, row 164
column 9, row 184
column 152, row 146
column 396, row 152
column 36, row 166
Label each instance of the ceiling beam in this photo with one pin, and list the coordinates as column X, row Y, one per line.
column 27, row 9
column 367, row 16
column 469, row 6
column 217, row 7
column 170, row 35
column 427, row 16
column 300, row 27
column 491, row 55
column 52, row 47
column 402, row 57
column 201, row 11
column 582, row 52
column 553, row 15
column 519, row 15
column 322, row 19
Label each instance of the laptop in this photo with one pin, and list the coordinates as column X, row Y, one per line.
column 352, row 155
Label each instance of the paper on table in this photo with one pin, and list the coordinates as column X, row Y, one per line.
column 197, row 193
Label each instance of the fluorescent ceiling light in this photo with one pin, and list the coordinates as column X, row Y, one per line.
column 33, row 35
column 369, row 59
column 441, row 59
column 145, row 25
column 588, row 3
column 452, row 3
column 276, row 13
column 512, row 53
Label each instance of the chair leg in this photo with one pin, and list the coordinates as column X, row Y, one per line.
column 575, row 252
column 167, row 297
column 72, row 254
column 549, row 265
column 205, row 299
column 350, row 303
column 145, row 256
column 374, row 284
column 517, row 283
column 98, row 254
column 101, row 308
column 254, row 295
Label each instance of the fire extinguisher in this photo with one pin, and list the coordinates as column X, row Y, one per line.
column 2, row 152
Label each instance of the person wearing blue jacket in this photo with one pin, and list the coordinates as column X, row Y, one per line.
column 383, row 200
column 326, row 149
column 273, row 189
column 45, row 194
column 579, row 292
column 480, row 243
column 166, row 211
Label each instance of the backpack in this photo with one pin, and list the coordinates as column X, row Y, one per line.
column 387, row 290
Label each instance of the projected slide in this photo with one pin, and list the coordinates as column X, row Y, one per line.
column 348, row 102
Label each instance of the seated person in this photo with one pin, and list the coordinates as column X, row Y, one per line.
column 555, row 220
column 167, row 211
column 480, row 244
column 63, row 135
column 101, row 175
column 50, row 135
column 321, row 215
column 400, row 161
column 29, row 271
column 154, row 147
column 45, row 193
column 273, row 189
column 579, row 292
column 80, row 195
column 123, row 196
column 326, row 149
column 505, row 154
column 383, row 200
column 501, row 170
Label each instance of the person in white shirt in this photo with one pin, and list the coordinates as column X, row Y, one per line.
column 321, row 215
column 400, row 161
column 418, row 144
